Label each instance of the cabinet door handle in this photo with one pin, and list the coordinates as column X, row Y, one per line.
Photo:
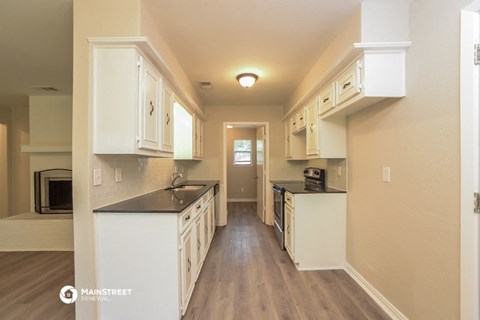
column 187, row 218
column 168, row 119
column 294, row 123
column 301, row 118
column 288, row 199
column 326, row 99
column 152, row 108
column 199, row 244
column 189, row 265
column 288, row 138
column 346, row 85
column 311, row 127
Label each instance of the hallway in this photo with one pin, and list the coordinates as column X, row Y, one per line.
column 246, row 276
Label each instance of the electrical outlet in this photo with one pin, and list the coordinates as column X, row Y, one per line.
column 386, row 174
column 118, row 174
column 97, row 177
column 339, row 171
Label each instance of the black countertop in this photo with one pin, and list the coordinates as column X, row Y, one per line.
column 161, row 200
column 296, row 186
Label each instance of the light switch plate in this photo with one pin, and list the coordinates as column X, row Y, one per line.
column 97, row 177
column 386, row 174
column 118, row 174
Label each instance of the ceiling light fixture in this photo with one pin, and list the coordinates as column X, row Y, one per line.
column 229, row 126
column 247, row 80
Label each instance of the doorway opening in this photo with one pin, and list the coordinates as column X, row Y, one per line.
column 470, row 163
column 246, row 166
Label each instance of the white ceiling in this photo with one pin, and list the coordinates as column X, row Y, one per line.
column 36, row 48
column 213, row 40
column 280, row 40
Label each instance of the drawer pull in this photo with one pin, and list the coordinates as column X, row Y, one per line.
column 199, row 206
column 288, row 199
column 187, row 218
column 168, row 119
column 346, row 85
column 294, row 123
column 199, row 244
column 301, row 118
column 325, row 100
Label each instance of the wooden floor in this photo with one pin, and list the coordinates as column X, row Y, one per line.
column 247, row 276
column 30, row 284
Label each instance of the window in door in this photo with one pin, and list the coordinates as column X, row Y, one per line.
column 242, row 153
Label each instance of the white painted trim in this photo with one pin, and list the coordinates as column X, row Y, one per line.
column 266, row 168
column 469, row 237
column 242, row 200
column 383, row 302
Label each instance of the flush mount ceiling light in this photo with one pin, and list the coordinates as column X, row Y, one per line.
column 247, row 79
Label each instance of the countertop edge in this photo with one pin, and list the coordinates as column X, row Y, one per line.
column 111, row 207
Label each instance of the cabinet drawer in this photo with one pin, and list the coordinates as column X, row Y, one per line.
column 348, row 84
column 301, row 121
column 293, row 123
column 326, row 99
column 185, row 219
column 290, row 199
column 198, row 206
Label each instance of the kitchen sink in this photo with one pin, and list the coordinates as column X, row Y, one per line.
column 187, row 187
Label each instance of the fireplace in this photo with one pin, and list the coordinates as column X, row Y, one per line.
column 53, row 191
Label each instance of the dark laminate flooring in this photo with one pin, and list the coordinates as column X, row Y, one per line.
column 30, row 284
column 246, row 276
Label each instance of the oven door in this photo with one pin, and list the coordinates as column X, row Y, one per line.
column 278, row 194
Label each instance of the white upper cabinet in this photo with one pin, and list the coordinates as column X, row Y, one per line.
column 198, row 138
column 167, row 118
column 150, row 106
column 127, row 101
column 377, row 73
column 326, row 138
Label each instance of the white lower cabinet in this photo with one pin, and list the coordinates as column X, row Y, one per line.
column 187, row 273
column 289, row 230
column 315, row 230
column 156, row 257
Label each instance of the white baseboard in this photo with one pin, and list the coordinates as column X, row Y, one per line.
column 242, row 200
column 383, row 302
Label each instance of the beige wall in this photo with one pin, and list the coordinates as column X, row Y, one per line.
column 16, row 120
column 3, row 172
column 211, row 167
column 90, row 18
column 403, row 237
column 149, row 28
column 107, row 18
column 349, row 34
column 50, row 125
column 239, row 178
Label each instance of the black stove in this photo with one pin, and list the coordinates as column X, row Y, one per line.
column 314, row 179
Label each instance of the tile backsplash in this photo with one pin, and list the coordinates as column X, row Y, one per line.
column 140, row 175
column 334, row 180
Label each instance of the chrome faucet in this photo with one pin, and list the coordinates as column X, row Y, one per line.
column 174, row 177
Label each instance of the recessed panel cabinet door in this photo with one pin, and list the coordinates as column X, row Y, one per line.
column 167, row 118
column 187, row 267
column 312, row 128
column 150, row 108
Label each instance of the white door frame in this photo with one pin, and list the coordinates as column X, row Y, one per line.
column 469, row 238
column 266, row 166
